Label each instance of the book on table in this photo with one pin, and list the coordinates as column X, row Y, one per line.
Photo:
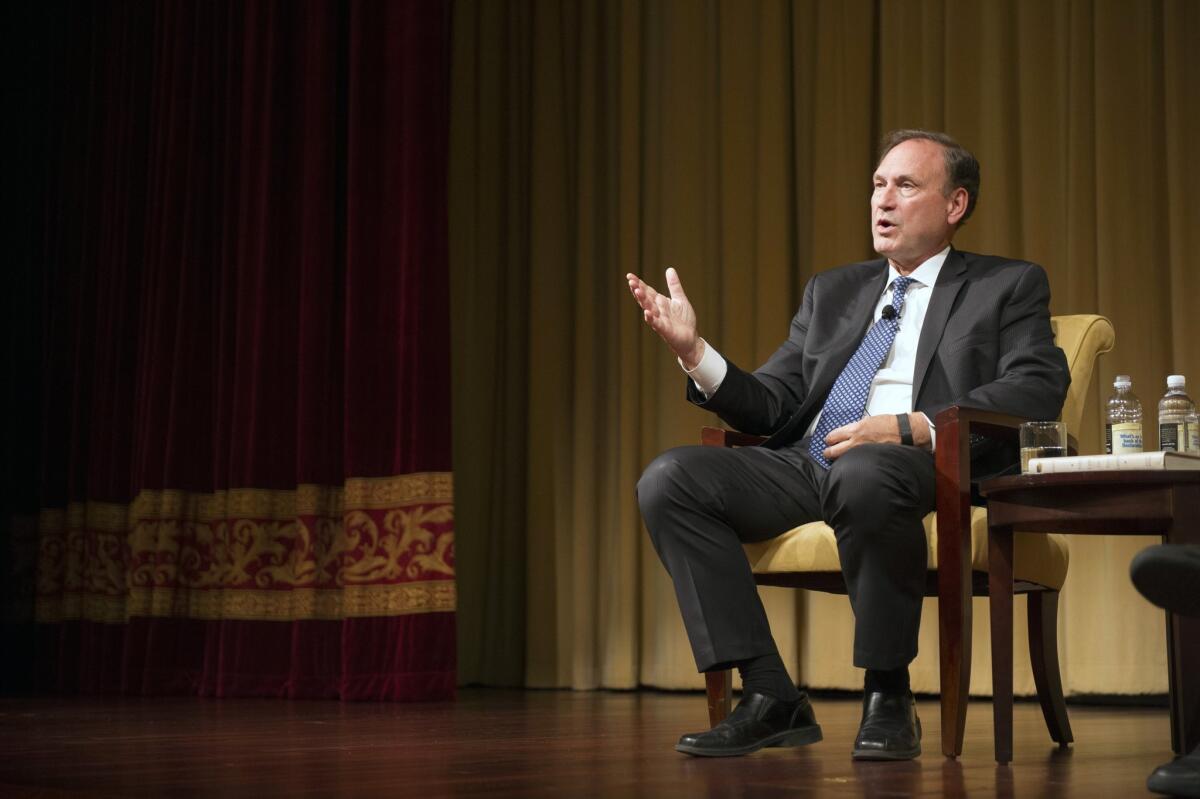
column 1137, row 461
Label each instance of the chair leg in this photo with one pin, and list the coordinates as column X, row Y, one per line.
column 1000, row 604
column 719, row 685
column 1043, row 655
column 954, row 644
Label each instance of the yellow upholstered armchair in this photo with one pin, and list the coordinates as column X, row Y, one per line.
column 807, row 556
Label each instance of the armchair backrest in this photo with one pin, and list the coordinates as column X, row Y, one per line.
column 1082, row 337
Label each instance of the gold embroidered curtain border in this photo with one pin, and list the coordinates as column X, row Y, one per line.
column 379, row 546
column 250, row 605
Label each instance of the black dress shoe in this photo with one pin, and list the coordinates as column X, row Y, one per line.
column 890, row 729
column 1180, row 777
column 758, row 720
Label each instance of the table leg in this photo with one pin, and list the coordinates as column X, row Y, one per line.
column 1000, row 604
column 1183, row 634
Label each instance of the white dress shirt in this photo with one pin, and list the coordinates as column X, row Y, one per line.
column 892, row 389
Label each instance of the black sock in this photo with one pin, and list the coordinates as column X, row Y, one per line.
column 766, row 675
column 890, row 681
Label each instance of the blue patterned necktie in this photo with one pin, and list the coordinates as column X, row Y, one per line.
column 847, row 400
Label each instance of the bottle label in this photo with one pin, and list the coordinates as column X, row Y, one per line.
column 1172, row 436
column 1124, row 438
column 1193, row 438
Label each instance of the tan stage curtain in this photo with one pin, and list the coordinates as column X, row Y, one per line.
column 735, row 142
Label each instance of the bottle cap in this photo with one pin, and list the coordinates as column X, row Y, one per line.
column 1176, row 381
column 1122, row 381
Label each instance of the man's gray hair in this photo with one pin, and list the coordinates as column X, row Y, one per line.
column 962, row 170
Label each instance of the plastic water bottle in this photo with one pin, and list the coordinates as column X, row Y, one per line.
column 1173, row 411
column 1123, row 424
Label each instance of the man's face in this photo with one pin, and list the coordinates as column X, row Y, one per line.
column 911, row 218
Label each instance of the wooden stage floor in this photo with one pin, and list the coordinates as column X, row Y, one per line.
column 499, row 743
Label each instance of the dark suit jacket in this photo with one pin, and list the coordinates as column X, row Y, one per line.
column 985, row 343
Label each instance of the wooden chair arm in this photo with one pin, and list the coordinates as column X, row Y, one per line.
column 952, row 465
column 996, row 426
column 720, row 437
column 988, row 423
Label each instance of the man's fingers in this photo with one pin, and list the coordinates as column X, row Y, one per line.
column 634, row 283
column 872, row 429
column 655, row 307
column 660, row 311
column 836, row 451
column 644, row 299
column 658, row 314
column 840, row 439
column 675, row 286
column 642, row 292
column 840, row 434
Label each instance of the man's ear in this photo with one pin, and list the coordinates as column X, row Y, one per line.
column 956, row 205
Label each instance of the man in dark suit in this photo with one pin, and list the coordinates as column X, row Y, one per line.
column 848, row 401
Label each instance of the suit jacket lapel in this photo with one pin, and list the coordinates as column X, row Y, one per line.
column 949, row 283
column 860, row 307
column 857, row 319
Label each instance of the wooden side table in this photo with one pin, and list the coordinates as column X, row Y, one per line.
column 1096, row 503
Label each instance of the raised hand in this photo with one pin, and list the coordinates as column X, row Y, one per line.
column 672, row 317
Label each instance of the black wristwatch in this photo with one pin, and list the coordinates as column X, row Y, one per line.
column 905, row 429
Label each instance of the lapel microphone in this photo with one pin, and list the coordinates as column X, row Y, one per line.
column 889, row 313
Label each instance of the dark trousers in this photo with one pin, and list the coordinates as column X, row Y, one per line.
column 701, row 503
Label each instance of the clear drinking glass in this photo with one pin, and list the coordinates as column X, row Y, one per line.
column 1042, row 440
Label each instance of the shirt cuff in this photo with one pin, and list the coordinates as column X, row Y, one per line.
column 709, row 373
column 932, row 432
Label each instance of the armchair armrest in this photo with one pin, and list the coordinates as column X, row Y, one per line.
column 979, row 421
column 952, row 465
column 720, row 437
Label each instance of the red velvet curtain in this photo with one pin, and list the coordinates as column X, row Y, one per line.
column 238, row 257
